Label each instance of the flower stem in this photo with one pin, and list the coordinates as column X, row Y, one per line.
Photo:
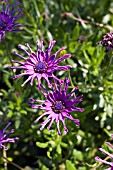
column 5, row 162
column 8, row 54
column 100, row 163
column 12, row 163
column 69, row 14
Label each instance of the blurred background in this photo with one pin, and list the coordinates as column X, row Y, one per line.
column 79, row 25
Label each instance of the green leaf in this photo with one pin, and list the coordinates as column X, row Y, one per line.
column 86, row 57
column 58, row 149
column 23, row 112
column 77, row 155
column 42, row 145
column 44, row 167
column 71, row 62
column 70, row 165
column 5, row 77
column 75, row 32
column 92, row 166
column 86, row 45
column 49, row 153
column 86, row 111
column 10, row 114
column 36, row 8
column 17, row 124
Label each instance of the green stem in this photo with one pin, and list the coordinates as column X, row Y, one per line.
column 8, row 54
column 12, row 163
column 71, row 82
column 100, row 163
column 110, row 62
column 7, row 50
column 5, row 162
column 69, row 14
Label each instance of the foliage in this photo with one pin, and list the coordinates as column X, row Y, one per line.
column 91, row 71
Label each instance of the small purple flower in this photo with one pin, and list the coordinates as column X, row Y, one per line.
column 107, row 41
column 4, row 139
column 107, row 153
column 41, row 64
column 58, row 105
column 3, row 0
column 8, row 17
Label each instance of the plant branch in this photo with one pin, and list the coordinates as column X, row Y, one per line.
column 14, row 164
column 69, row 14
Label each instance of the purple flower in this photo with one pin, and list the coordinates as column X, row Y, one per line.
column 107, row 153
column 3, row 0
column 4, row 139
column 8, row 17
column 58, row 105
column 107, row 41
column 41, row 64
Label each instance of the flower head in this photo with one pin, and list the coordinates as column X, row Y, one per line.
column 58, row 105
column 3, row 0
column 108, row 154
column 41, row 64
column 107, row 41
column 8, row 17
column 4, row 139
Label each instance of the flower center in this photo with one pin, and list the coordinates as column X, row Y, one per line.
column 40, row 66
column 58, row 106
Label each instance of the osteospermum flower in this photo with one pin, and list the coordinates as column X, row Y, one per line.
column 108, row 154
column 4, row 137
column 107, row 41
column 41, row 64
column 3, row 0
column 9, row 14
column 58, row 105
